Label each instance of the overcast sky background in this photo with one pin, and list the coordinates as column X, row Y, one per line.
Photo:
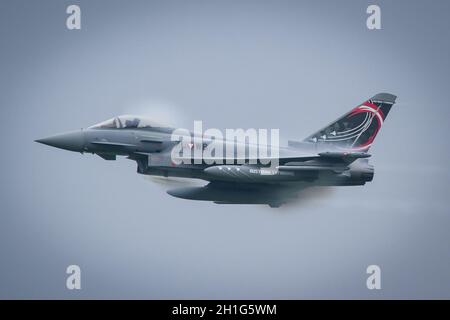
column 293, row 65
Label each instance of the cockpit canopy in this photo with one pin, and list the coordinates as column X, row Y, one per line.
column 125, row 122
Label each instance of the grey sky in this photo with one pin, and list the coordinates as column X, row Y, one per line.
column 293, row 65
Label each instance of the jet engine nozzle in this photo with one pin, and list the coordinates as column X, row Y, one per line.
column 363, row 173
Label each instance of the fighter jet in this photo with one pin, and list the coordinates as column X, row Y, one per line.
column 336, row 155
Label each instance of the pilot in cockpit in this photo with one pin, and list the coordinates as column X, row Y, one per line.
column 134, row 123
column 126, row 122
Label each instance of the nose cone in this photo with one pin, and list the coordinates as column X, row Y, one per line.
column 73, row 141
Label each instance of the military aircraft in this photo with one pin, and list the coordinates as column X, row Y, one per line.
column 336, row 155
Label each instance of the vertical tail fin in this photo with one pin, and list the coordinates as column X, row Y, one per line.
column 357, row 129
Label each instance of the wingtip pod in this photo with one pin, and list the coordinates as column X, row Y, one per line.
column 344, row 154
